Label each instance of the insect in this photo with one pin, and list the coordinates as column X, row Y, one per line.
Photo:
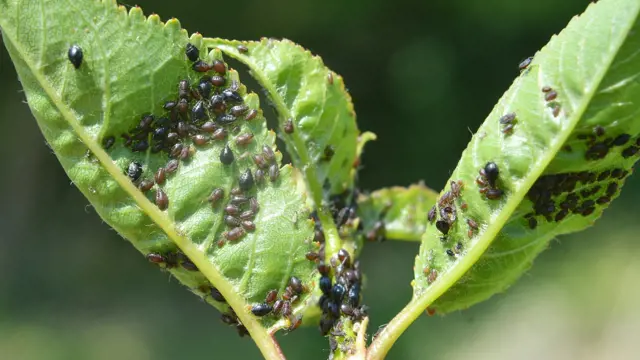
column 219, row 67
column 271, row 297
column 296, row 285
column 525, row 63
column 134, row 171
column 261, row 309
column 216, row 195
column 162, row 201
column 75, row 56
column 244, row 139
column 246, row 180
column 242, row 48
column 268, row 153
column 145, row 185
column 274, row 172
column 217, row 80
column 288, row 126
column 226, row 155
column 201, row 66
column 216, row 295
column 251, row 114
column 192, row 52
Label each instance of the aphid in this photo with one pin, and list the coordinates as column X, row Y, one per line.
column 621, row 140
column 160, row 176
column 218, row 104
column 198, row 111
column 311, row 256
column 134, row 171
column 108, row 142
column 561, row 215
column 217, row 80
column 235, row 234
column 630, row 151
column 238, row 199
column 433, row 275
column 295, row 323
column 247, row 215
column 216, row 195
column 330, row 78
column 296, row 285
column 241, row 48
column 162, row 201
column 328, row 152
column 268, row 153
column 597, row 151
column 603, row 200
column 171, row 166
column 231, row 209
column 442, row 226
column 337, row 292
column 251, row 114
column 216, row 295
column 491, row 173
column 225, row 119
column 140, row 146
column 169, row 105
column 277, row 306
column 324, row 270
column 507, row 118
column 551, row 95
column 271, row 297
column 192, row 52
column 226, row 155
column 219, row 134
column 156, row 258
column 450, row 252
column 239, row 110
column 525, row 63
column 232, row 96
column 286, row 309
column 598, row 130
column 556, row 110
column 260, row 161
column 75, row 56
column 244, row 139
column 288, row 127
column 343, row 256
column 546, row 89
column 201, row 66
column 533, row 223
column 274, row 172
column 253, row 204
column 183, row 106
column 249, row 225
column 493, row 194
column 326, row 323
column 353, row 295
column 431, row 216
column 219, row 67
column 261, row 309
column 199, row 139
column 204, row 88
column 176, row 150
column 160, row 133
column 231, row 221
column 145, row 185
column 188, row 265
column 183, row 89
column 508, row 129
column 209, row 127
column 325, row 284
column 172, row 137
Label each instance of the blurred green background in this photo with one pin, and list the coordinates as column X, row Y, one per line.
column 423, row 75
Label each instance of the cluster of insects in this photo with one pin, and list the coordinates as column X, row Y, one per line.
column 556, row 196
column 445, row 215
column 508, row 122
column 599, row 145
column 488, row 181
column 343, row 296
column 283, row 305
column 550, row 96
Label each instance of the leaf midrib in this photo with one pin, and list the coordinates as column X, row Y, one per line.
column 159, row 218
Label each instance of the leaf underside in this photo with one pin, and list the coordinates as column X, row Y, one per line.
column 131, row 67
column 571, row 146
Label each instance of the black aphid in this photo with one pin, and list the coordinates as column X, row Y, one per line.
column 231, row 96
column 442, row 226
column 261, row 309
column 325, row 285
column 108, row 142
column 134, row 171
column 75, row 56
column 491, row 172
column 246, row 180
column 192, row 52
column 226, row 155
column 216, row 295
column 198, row 111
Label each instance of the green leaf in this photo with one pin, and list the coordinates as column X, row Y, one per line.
column 396, row 213
column 131, row 66
column 324, row 141
column 568, row 149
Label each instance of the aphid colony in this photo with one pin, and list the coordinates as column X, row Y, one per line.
column 598, row 146
column 556, row 196
column 203, row 112
column 282, row 306
column 445, row 214
column 550, row 98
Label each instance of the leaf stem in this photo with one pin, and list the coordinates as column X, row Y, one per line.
column 266, row 343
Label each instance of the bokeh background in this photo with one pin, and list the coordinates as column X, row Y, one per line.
column 423, row 75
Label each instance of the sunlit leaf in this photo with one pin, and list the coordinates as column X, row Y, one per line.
column 131, row 66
